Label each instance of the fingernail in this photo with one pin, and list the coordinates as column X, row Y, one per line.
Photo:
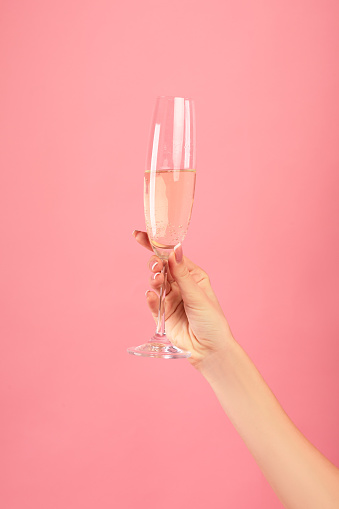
column 134, row 233
column 146, row 292
column 154, row 265
column 156, row 274
column 178, row 253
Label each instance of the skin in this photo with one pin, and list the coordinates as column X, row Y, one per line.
column 198, row 324
column 299, row 474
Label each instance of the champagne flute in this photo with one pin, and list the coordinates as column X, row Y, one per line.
column 169, row 185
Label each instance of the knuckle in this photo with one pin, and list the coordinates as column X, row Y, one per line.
column 205, row 277
column 201, row 276
column 185, row 273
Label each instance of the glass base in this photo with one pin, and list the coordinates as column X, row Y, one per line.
column 159, row 346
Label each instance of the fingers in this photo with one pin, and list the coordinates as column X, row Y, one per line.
column 173, row 301
column 142, row 238
column 155, row 264
column 156, row 279
column 191, row 292
column 192, row 280
column 153, row 303
column 198, row 275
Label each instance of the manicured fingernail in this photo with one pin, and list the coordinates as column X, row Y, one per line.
column 156, row 274
column 134, row 232
column 146, row 292
column 178, row 253
column 154, row 265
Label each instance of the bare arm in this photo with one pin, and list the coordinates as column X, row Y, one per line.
column 299, row 474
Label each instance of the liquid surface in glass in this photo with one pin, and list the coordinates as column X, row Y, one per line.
column 168, row 201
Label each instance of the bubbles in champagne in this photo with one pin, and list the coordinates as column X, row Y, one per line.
column 168, row 201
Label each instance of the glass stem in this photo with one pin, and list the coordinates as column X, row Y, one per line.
column 161, row 313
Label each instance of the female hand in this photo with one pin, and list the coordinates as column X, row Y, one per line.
column 193, row 316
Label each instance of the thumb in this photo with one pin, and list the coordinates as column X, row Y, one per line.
column 191, row 293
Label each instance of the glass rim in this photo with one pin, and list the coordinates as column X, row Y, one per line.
column 175, row 97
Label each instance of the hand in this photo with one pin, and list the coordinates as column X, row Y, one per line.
column 194, row 318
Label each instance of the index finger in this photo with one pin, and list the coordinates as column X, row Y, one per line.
column 142, row 238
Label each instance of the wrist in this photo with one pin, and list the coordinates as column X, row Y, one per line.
column 220, row 360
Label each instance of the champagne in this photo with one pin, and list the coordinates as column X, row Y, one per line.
column 168, row 202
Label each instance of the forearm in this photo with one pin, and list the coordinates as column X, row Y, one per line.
column 299, row 474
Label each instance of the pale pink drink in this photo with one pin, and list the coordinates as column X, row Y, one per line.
column 168, row 202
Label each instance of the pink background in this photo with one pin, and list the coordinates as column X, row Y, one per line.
column 83, row 424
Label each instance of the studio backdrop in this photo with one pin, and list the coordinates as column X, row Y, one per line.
column 83, row 424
